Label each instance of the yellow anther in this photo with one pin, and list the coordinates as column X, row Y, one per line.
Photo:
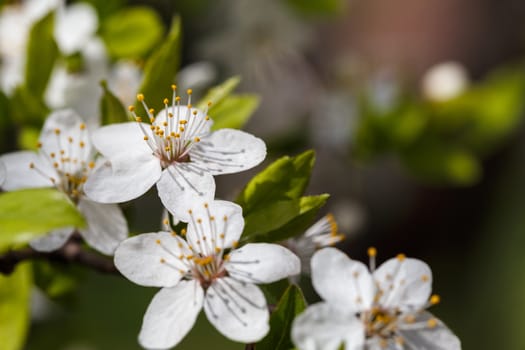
column 151, row 111
column 173, row 87
column 235, row 244
column 177, row 99
column 196, row 139
column 138, row 119
column 166, row 222
column 167, row 148
column 432, row 323
column 209, row 103
column 39, row 145
column 194, row 112
column 75, row 193
column 55, row 164
column 199, row 221
column 203, row 261
column 162, row 261
column 180, row 246
column 225, row 218
column 31, row 165
column 217, row 250
column 221, row 236
column 170, row 115
column 372, row 252
column 140, row 97
column 165, row 101
column 183, row 122
column 190, row 211
column 157, row 241
column 205, row 205
column 177, row 135
column 183, row 232
column 181, row 129
column 401, row 257
column 212, row 218
column 131, row 108
column 356, row 274
column 207, row 118
column 146, row 138
column 62, row 151
column 152, row 127
column 190, row 105
column 165, row 124
column 410, row 319
column 226, row 257
column 57, row 131
column 189, row 91
column 435, row 299
column 91, row 165
column 173, row 233
column 70, row 139
column 81, row 144
column 425, row 278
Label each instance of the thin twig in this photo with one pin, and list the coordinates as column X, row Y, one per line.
column 71, row 252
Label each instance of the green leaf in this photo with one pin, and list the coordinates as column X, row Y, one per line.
column 233, row 111
column 27, row 108
column 111, row 109
column 284, row 179
column 26, row 214
column 42, row 52
column 161, row 68
column 14, row 307
column 291, row 304
column 283, row 219
column 132, row 32
column 216, row 94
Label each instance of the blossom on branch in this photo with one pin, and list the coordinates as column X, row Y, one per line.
column 65, row 160
column 177, row 151
column 382, row 308
column 203, row 268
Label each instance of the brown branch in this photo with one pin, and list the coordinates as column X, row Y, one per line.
column 71, row 252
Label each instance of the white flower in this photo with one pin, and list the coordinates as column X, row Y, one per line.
column 2, row 173
column 382, row 309
column 445, row 81
column 79, row 90
column 124, row 80
column 15, row 23
column 321, row 234
column 75, row 25
column 177, row 151
column 65, row 160
column 205, row 270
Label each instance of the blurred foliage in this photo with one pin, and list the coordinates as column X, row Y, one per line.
column 444, row 142
column 161, row 68
column 14, row 307
column 111, row 109
column 26, row 214
column 272, row 202
column 131, row 32
column 315, row 8
column 57, row 281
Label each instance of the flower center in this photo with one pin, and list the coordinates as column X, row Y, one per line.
column 72, row 163
column 380, row 322
column 175, row 130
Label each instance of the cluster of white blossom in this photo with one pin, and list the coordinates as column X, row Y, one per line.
column 202, row 266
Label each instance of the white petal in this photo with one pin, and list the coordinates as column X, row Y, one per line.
column 171, row 315
column 123, row 179
column 438, row 337
column 68, row 123
column 406, row 283
column 342, row 281
column 3, row 173
column 325, row 327
column 74, row 26
column 19, row 175
column 152, row 259
column 238, row 310
column 53, row 240
column 222, row 231
column 228, row 151
column 127, row 138
column 262, row 263
column 180, row 189
column 106, row 225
